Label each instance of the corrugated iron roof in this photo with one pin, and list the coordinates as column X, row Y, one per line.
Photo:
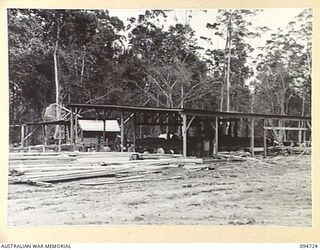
column 97, row 125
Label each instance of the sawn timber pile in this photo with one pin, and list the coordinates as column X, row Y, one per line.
column 43, row 170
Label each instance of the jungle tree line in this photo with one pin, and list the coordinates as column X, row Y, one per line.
column 89, row 56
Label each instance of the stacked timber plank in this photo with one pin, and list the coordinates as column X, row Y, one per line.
column 42, row 170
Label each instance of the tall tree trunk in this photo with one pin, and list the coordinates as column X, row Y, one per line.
column 302, row 105
column 12, row 105
column 57, row 85
column 222, row 96
column 309, row 64
column 228, row 63
column 225, row 73
column 282, row 122
column 182, row 96
column 83, row 64
column 56, row 79
column 252, row 101
column 228, row 73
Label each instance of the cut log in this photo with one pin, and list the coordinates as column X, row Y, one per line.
column 130, row 181
column 42, row 158
column 173, row 160
column 30, row 182
column 137, row 156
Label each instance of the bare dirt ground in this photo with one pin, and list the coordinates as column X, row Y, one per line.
column 227, row 193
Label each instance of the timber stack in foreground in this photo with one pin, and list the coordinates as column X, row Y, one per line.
column 43, row 170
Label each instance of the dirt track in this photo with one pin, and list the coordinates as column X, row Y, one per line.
column 240, row 193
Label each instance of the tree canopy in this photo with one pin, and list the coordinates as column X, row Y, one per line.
column 90, row 56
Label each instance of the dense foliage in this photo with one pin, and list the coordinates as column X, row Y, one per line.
column 89, row 56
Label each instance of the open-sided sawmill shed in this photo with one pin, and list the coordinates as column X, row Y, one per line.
column 180, row 117
column 184, row 117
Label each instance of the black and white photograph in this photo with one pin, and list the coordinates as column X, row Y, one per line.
column 160, row 117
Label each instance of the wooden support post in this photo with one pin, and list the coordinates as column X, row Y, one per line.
column 167, row 121
column 122, row 132
column 216, row 149
column 26, row 133
column 300, row 133
column 59, row 138
column 71, row 129
column 284, row 132
column 264, row 139
column 104, row 126
column 65, row 133
column 184, row 134
column 235, row 129
column 44, row 134
column 45, row 139
column 76, row 126
column 252, row 137
column 134, row 132
column 22, row 134
column 229, row 128
column 247, row 128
